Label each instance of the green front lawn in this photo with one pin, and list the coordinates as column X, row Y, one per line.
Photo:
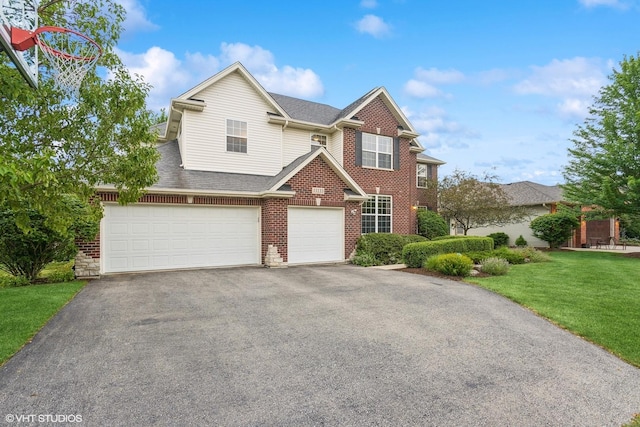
column 26, row 309
column 594, row 294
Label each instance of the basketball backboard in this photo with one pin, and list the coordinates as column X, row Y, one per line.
column 21, row 14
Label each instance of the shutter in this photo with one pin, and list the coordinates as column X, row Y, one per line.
column 358, row 148
column 396, row 153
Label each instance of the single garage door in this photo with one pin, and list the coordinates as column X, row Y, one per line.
column 315, row 235
column 155, row 237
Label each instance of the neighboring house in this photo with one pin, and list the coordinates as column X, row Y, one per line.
column 249, row 177
column 540, row 200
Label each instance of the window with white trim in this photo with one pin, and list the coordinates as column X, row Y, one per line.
column 376, row 215
column 424, row 174
column 318, row 139
column 377, row 151
column 236, row 136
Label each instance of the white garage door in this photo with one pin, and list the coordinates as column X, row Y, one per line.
column 315, row 235
column 154, row 237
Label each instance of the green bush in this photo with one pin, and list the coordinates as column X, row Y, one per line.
column 499, row 239
column 555, row 228
column 414, row 254
column 450, row 264
column 478, row 256
column 533, row 255
column 521, row 242
column 382, row 248
column 512, row 256
column 495, row 266
column 13, row 281
column 431, row 225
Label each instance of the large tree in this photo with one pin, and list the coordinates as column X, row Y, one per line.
column 604, row 163
column 54, row 143
column 474, row 202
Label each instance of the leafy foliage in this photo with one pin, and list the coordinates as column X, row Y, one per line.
column 495, row 266
column 499, row 239
column 26, row 253
column 450, row 264
column 474, row 202
column 431, row 225
column 555, row 228
column 382, row 248
column 604, row 163
column 54, row 143
column 414, row 254
column 521, row 241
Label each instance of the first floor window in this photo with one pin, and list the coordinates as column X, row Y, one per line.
column 376, row 215
column 236, row 136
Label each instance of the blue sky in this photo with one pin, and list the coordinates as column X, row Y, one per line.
column 492, row 86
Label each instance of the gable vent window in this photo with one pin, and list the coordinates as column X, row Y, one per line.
column 236, row 136
column 317, row 139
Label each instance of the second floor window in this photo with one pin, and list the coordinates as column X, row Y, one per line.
column 424, row 174
column 377, row 151
column 318, row 139
column 236, row 136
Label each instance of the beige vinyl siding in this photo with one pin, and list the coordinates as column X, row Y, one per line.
column 334, row 146
column 296, row 143
column 515, row 230
column 232, row 98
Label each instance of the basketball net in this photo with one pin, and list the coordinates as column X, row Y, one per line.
column 71, row 55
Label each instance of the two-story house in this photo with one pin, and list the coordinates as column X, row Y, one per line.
column 249, row 177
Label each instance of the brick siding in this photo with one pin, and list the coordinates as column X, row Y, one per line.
column 400, row 184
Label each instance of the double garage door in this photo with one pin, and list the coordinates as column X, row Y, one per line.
column 156, row 237
column 162, row 237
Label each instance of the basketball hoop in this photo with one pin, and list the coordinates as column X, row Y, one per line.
column 70, row 53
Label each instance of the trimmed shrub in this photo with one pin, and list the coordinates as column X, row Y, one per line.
column 431, row 225
column 450, row 264
column 495, row 266
column 521, row 242
column 499, row 239
column 382, row 248
column 512, row 256
column 415, row 254
column 555, row 228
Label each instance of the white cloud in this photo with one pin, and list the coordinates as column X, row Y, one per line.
column 436, row 76
column 423, row 85
column 369, row 4
column 619, row 4
column 170, row 76
column 437, row 130
column 373, row 25
column 136, row 19
column 418, row 89
column 574, row 81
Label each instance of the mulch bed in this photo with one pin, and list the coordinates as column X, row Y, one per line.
column 426, row 272
column 632, row 255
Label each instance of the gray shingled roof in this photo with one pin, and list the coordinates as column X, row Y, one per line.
column 423, row 158
column 527, row 193
column 315, row 112
column 307, row 111
column 172, row 176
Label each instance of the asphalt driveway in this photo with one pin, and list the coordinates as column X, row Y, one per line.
column 328, row 345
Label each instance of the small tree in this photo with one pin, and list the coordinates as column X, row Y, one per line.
column 431, row 225
column 555, row 228
column 474, row 202
column 24, row 253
